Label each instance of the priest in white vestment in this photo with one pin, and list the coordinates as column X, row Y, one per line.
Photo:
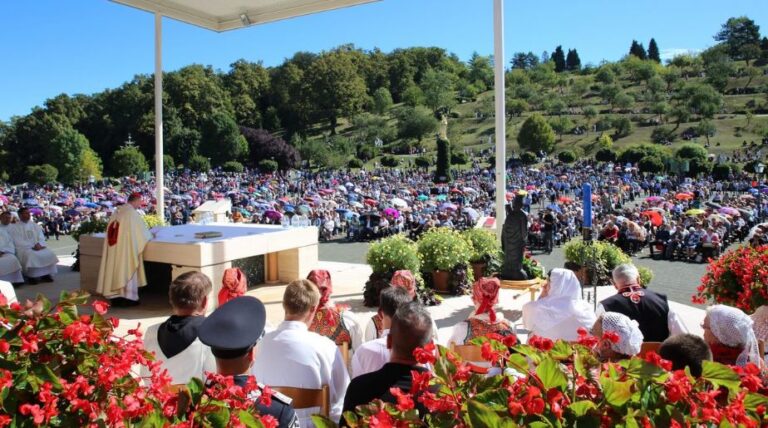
column 122, row 266
column 10, row 268
column 38, row 263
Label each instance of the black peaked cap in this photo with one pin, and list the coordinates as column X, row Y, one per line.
column 237, row 324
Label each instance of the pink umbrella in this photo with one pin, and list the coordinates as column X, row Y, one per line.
column 391, row 212
column 272, row 214
column 654, row 199
column 728, row 210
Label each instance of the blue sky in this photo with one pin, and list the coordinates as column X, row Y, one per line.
column 85, row 46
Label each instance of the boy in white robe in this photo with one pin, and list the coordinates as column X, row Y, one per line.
column 37, row 261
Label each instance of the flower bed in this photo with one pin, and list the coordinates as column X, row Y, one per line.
column 558, row 384
column 737, row 278
column 604, row 256
column 62, row 368
column 444, row 250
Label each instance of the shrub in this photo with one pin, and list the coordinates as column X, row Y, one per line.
column 633, row 154
column 443, row 170
column 392, row 254
column 652, row 164
column 233, row 166
column 528, row 158
column 604, row 255
column 566, row 156
column 443, row 249
column 423, row 162
column 128, row 161
column 168, row 163
column 355, row 163
column 459, row 158
column 605, row 155
column 389, row 161
column 623, row 127
column 536, row 134
column 152, row 220
column 199, row 163
column 42, row 174
column 721, row 171
column 663, row 135
column 89, row 227
column 484, row 245
column 268, row 165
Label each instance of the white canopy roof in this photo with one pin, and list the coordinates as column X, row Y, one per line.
column 223, row 15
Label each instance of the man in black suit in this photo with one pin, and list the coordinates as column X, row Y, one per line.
column 411, row 328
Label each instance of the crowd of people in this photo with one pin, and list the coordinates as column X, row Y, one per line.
column 304, row 350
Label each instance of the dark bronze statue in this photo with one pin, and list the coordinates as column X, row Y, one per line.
column 514, row 235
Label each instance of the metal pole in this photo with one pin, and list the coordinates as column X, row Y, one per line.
column 159, row 173
column 501, row 131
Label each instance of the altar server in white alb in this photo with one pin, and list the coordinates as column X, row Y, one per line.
column 38, row 263
column 10, row 268
column 122, row 266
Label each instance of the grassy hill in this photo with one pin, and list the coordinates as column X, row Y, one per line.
column 742, row 118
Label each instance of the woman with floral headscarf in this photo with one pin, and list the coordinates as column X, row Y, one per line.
column 730, row 336
column 403, row 279
column 331, row 320
column 625, row 332
column 560, row 310
column 484, row 320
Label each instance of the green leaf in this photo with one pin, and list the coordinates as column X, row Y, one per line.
column 616, row 393
column 752, row 400
column 321, row 421
column 519, row 363
column 481, row 415
column 580, row 408
column 250, row 421
column 45, row 373
column 641, row 369
column 154, row 420
column 219, row 418
column 551, row 374
column 720, row 375
column 496, row 399
column 196, row 388
column 351, row 418
column 561, row 351
column 68, row 315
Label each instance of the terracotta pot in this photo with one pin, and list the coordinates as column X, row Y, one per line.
column 440, row 281
column 478, row 268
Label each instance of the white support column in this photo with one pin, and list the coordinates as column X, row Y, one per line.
column 159, row 173
column 501, row 122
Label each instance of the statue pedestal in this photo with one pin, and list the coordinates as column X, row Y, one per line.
column 530, row 285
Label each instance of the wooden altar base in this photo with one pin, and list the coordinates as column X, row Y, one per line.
column 530, row 285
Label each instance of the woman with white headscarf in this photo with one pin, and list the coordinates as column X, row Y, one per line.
column 559, row 311
column 630, row 338
column 729, row 333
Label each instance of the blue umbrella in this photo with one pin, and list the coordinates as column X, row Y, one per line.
column 106, row 203
column 91, row 205
column 341, row 210
column 288, row 208
column 555, row 208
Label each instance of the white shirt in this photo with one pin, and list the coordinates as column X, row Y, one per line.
column 26, row 235
column 674, row 323
column 371, row 356
column 371, row 332
column 194, row 361
column 293, row 356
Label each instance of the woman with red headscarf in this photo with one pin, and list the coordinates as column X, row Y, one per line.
column 485, row 319
column 331, row 320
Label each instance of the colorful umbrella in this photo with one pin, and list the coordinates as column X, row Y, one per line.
column 728, row 210
column 272, row 214
column 422, row 197
column 654, row 199
column 398, row 202
column 565, row 200
column 654, row 216
column 448, row 206
column 695, row 211
column 683, row 196
column 391, row 212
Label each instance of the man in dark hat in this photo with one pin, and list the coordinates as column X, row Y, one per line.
column 232, row 331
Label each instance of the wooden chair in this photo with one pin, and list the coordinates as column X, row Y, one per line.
column 761, row 348
column 649, row 346
column 185, row 398
column 469, row 353
column 304, row 398
column 344, row 349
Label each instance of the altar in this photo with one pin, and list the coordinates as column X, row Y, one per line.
column 288, row 253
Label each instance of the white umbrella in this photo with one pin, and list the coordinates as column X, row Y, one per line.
column 471, row 212
column 469, row 190
column 356, row 204
column 399, row 203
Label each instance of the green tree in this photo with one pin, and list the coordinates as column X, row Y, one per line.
column 168, row 163
column 423, row 162
column 605, row 155
column 740, row 35
column 389, row 161
column 368, row 127
column 653, row 51
column 623, row 101
column 221, row 139
column 481, row 70
column 751, row 73
column 706, row 128
column 382, row 101
column 415, row 123
column 268, row 165
column 413, row 96
column 525, row 61
column 42, row 174
column 196, row 92
column 590, row 113
column 605, row 75
column 558, row 57
column 443, row 170
column 233, row 166
column 439, row 91
column 605, row 141
column 556, row 106
column 572, row 60
column 335, row 86
column 528, row 158
column 622, row 126
column 660, row 109
column 198, row 163
column 536, row 134
column 651, row 164
column 248, row 86
column 66, row 154
column 355, row 163
column 700, row 99
column 90, row 166
column 634, row 153
column 637, row 50
column 516, row 107
column 561, row 125
column 128, row 161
